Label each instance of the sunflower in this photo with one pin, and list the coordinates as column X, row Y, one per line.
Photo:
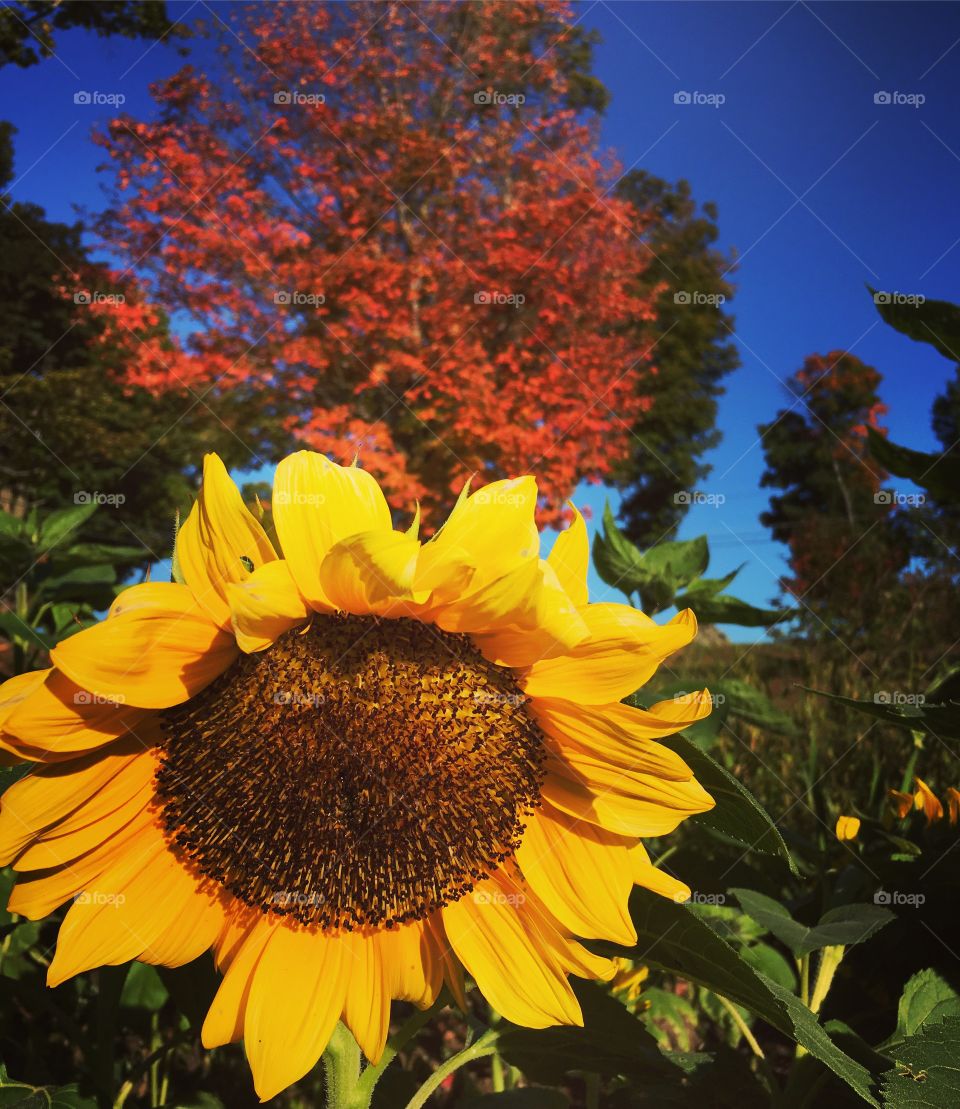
column 356, row 770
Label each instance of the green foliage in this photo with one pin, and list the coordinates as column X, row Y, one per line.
column 925, row 1075
column 671, row 573
column 844, row 925
column 695, row 351
column 27, row 26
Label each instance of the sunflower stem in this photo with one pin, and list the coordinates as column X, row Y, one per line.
column 486, row 1045
column 397, row 1042
column 341, row 1063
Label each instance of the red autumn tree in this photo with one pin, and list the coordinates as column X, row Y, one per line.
column 395, row 221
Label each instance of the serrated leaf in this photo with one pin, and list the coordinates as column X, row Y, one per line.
column 927, row 998
column 845, row 925
column 671, row 937
column 58, row 525
column 737, row 813
column 940, row 719
column 926, row 1074
column 21, row 1095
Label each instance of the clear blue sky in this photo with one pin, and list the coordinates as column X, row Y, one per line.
column 820, row 189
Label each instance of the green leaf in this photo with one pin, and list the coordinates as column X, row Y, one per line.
column 936, row 322
column 754, row 706
column 680, row 561
column 143, row 988
column 941, row 720
column 58, row 525
column 20, row 1095
column 709, row 587
column 845, row 925
column 737, row 814
column 939, row 473
column 768, row 961
column 723, row 609
column 927, row 998
column 612, row 1041
column 671, row 937
column 926, row 1075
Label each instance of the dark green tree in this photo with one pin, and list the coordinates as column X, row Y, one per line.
column 27, row 27
column 70, row 429
column 694, row 353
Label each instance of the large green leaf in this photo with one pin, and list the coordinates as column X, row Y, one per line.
column 941, row 719
column 672, row 937
column 926, row 1074
column 927, row 998
column 58, row 525
column 737, row 813
column 939, row 474
column 20, row 1095
column 936, row 322
column 845, row 925
column 724, row 609
column 611, row 1042
column 143, row 988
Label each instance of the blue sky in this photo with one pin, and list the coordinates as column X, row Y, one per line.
column 820, row 189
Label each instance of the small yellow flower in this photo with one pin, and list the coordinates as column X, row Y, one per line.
column 924, row 798
column 953, row 804
column 628, row 981
column 902, row 803
column 848, row 828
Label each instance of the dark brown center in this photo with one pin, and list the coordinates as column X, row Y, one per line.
column 358, row 772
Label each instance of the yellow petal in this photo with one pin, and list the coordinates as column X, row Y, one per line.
column 581, row 874
column 653, row 878
column 62, row 718
column 848, row 828
column 219, row 541
column 14, row 692
column 366, row 1011
column 224, row 1020
column 618, row 734
column 408, row 956
column 361, row 572
column 139, row 896
column 622, row 652
column 265, row 606
column 512, row 966
column 494, row 527
column 298, row 992
column 156, row 649
column 316, row 503
column 625, row 802
column 51, row 793
column 570, row 558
